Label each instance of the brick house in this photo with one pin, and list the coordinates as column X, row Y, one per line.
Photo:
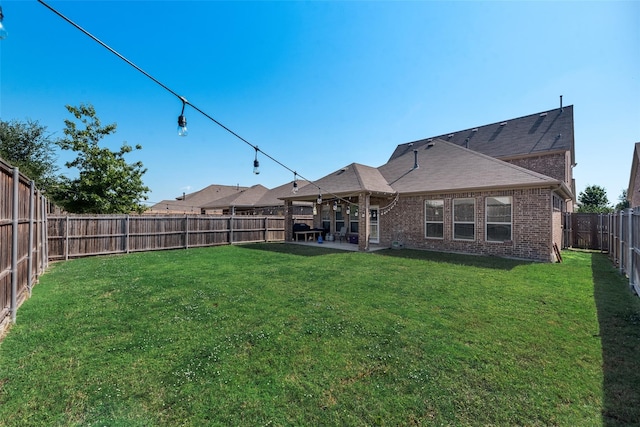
column 498, row 190
column 633, row 191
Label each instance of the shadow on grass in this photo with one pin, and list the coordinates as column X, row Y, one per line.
column 457, row 259
column 292, row 249
column 619, row 320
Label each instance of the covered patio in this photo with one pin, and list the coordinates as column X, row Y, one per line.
column 346, row 207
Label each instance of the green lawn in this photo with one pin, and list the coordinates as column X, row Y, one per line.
column 278, row 334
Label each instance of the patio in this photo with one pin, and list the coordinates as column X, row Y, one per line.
column 343, row 246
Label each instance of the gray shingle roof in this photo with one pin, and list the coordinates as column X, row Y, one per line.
column 444, row 166
column 199, row 198
column 536, row 133
column 245, row 198
column 350, row 180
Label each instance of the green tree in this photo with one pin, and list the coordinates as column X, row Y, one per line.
column 594, row 199
column 106, row 182
column 623, row 203
column 28, row 146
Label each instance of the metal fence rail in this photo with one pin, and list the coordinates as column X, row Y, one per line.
column 23, row 240
column 74, row 236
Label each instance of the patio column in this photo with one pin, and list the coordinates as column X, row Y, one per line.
column 364, row 200
column 288, row 220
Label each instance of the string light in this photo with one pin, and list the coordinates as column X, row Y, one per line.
column 182, row 121
column 294, row 190
column 3, row 31
column 256, row 163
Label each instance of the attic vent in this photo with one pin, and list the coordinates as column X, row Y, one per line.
column 503, row 124
column 429, row 145
column 410, row 144
column 430, row 139
column 474, row 130
column 450, row 135
column 543, row 114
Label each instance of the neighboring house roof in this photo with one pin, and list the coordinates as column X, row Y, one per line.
column 633, row 192
column 245, row 198
column 350, row 180
column 199, row 198
column 274, row 196
column 533, row 134
column 444, row 166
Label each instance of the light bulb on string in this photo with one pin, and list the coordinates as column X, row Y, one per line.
column 3, row 31
column 256, row 163
column 294, row 190
column 182, row 121
column 319, row 201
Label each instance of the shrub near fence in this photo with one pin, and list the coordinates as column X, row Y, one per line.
column 23, row 252
column 83, row 235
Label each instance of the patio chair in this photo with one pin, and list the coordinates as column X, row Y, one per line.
column 342, row 234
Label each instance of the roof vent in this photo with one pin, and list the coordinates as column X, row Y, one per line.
column 474, row 130
column 450, row 135
column 543, row 114
column 430, row 139
column 429, row 145
column 503, row 124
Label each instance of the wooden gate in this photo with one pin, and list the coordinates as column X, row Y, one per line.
column 586, row 231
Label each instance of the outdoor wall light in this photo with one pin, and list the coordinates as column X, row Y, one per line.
column 256, row 163
column 182, row 122
column 3, row 31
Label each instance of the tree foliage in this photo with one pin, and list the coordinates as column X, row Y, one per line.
column 28, row 146
column 594, row 199
column 106, row 182
column 623, row 202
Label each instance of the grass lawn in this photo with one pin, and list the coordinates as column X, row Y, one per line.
column 278, row 334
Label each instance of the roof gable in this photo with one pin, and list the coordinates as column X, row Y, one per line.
column 443, row 166
column 201, row 197
column 349, row 180
column 533, row 134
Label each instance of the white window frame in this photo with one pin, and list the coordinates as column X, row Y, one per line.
column 499, row 223
column 472, row 222
column 427, row 221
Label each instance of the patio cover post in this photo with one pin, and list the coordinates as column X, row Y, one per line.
column 288, row 220
column 364, row 200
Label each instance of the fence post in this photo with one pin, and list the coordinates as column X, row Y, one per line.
column 126, row 237
column 14, row 245
column 231, row 229
column 186, row 231
column 630, row 244
column 620, row 242
column 32, row 188
column 66, row 237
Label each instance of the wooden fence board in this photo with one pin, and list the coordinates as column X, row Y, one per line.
column 73, row 236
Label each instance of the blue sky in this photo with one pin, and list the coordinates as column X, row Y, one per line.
column 319, row 85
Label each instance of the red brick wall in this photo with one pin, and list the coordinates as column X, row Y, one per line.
column 532, row 225
column 554, row 165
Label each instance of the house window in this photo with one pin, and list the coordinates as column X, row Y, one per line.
column 434, row 212
column 353, row 218
column 339, row 218
column 326, row 218
column 498, row 219
column 464, row 219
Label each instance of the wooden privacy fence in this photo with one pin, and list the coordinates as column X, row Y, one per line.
column 586, row 231
column 23, row 240
column 624, row 246
column 83, row 235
